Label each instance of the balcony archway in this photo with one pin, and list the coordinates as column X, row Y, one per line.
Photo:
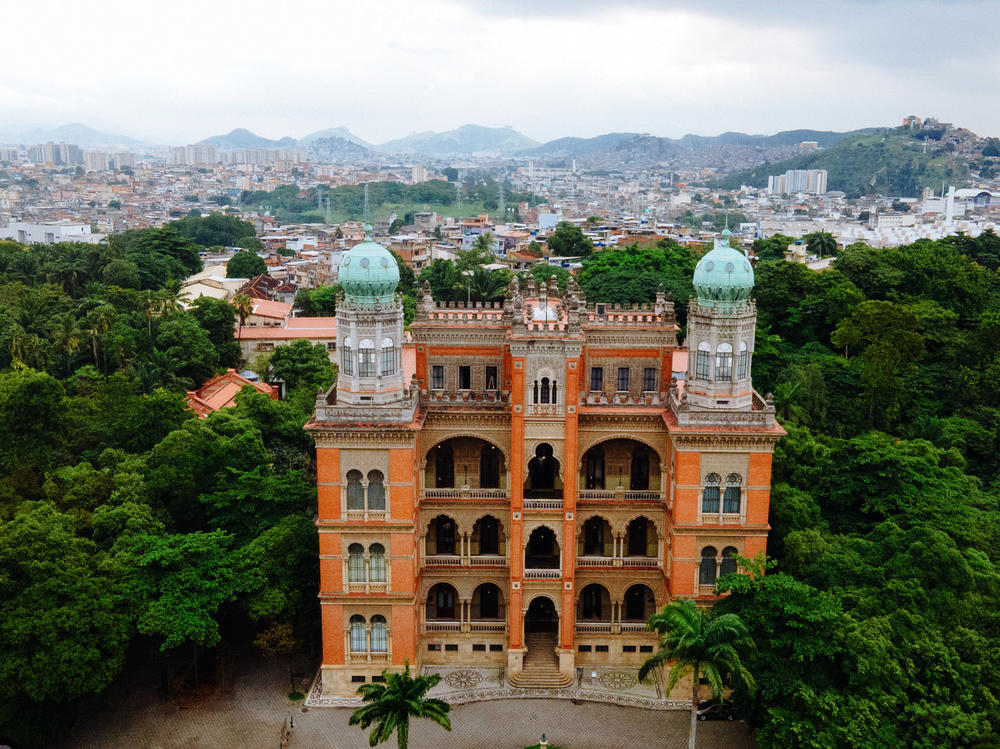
column 543, row 474
column 487, row 537
column 596, row 538
column 487, row 603
column 620, row 464
column 442, row 536
column 465, row 462
column 442, row 603
column 594, row 604
column 639, row 604
column 640, row 538
column 542, row 550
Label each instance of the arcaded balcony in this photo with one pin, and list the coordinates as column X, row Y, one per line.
column 620, row 469
column 465, row 468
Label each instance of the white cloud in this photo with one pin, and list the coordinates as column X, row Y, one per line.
column 386, row 68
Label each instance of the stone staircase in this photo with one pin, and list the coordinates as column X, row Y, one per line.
column 541, row 665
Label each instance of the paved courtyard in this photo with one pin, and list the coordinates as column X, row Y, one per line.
column 250, row 713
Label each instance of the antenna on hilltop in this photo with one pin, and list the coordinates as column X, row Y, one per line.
column 365, row 211
column 458, row 193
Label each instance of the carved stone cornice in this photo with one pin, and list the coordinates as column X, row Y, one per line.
column 484, row 419
column 757, row 441
column 345, row 436
column 646, row 421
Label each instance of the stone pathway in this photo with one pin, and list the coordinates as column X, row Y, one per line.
column 249, row 715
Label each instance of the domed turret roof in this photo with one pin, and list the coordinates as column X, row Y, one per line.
column 368, row 272
column 724, row 276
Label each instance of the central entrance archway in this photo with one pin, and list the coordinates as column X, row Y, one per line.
column 541, row 617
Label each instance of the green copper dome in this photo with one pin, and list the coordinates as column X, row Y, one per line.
column 724, row 276
column 368, row 273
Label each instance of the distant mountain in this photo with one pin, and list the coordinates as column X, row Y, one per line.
column 243, row 138
column 890, row 161
column 825, row 138
column 336, row 150
column 334, row 132
column 466, row 140
column 577, row 146
column 75, row 133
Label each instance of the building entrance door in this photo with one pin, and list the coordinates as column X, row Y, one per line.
column 541, row 617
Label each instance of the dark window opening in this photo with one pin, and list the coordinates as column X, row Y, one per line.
column 491, row 378
column 464, row 378
column 596, row 379
column 437, row 377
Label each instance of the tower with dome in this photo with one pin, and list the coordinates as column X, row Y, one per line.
column 521, row 484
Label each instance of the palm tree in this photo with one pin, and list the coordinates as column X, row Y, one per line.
column 243, row 305
column 696, row 640
column 390, row 705
column 67, row 337
column 821, row 243
column 486, row 285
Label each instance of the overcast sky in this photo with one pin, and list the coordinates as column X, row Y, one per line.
column 181, row 71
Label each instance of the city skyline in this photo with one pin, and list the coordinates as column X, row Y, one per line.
column 390, row 69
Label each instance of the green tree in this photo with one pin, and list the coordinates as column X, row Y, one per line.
column 302, row 364
column 487, row 285
column 250, row 242
column 318, row 302
column 243, row 304
column 63, row 626
column 390, row 706
column 703, row 644
column 218, row 318
column 821, row 243
column 569, row 240
column 890, row 341
column 245, row 264
column 447, row 283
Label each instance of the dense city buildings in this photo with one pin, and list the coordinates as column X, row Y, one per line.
column 523, row 484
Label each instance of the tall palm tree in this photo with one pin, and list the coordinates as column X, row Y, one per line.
column 822, row 243
column 67, row 337
column 697, row 641
column 243, row 304
column 390, row 705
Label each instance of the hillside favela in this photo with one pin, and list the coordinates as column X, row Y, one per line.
column 580, row 376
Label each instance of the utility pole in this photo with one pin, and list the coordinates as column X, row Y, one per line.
column 503, row 206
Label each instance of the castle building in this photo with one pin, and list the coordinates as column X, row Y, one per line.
column 522, row 485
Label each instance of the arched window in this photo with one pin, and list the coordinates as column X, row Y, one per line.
column 732, row 499
column 489, row 534
column 703, row 362
column 544, row 390
column 724, row 362
column 347, row 357
column 536, row 393
column 706, row 575
column 593, row 537
column 489, row 467
column 359, row 639
column 376, row 563
column 380, row 642
column 376, row 491
column 640, row 469
column 488, row 596
column 638, row 537
column 594, row 468
column 366, row 358
column 742, row 360
column 444, row 467
column 355, row 492
column 356, row 563
column 388, row 357
column 593, row 600
column 728, row 560
column 710, row 497
column 554, row 386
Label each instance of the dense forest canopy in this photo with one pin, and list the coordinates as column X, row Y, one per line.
column 877, row 620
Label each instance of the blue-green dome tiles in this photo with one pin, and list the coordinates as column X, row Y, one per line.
column 723, row 277
column 368, row 273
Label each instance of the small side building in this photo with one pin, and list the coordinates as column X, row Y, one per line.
column 220, row 392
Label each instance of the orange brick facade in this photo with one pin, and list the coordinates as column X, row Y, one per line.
column 543, row 474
